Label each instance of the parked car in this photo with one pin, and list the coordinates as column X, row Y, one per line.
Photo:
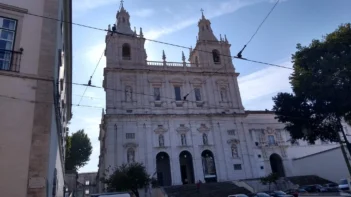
column 238, row 195
column 343, row 184
column 279, row 194
column 332, row 187
column 260, row 194
column 296, row 192
column 313, row 188
column 114, row 194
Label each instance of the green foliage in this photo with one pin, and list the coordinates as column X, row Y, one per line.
column 78, row 150
column 128, row 177
column 269, row 179
column 321, row 84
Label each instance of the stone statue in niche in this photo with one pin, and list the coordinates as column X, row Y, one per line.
column 204, row 139
column 223, row 92
column 183, row 139
column 235, row 153
column 161, row 140
column 130, row 155
column 128, row 94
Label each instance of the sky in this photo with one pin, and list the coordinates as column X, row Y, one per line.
column 175, row 21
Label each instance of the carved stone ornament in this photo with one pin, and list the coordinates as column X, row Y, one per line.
column 269, row 130
column 160, row 130
column 233, row 141
column 128, row 78
column 203, row 128
column 176, row 81
column 182, row 129
column 197, row 81
column 222, row 81
column 130, row 145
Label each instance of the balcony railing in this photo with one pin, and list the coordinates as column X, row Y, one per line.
column 10, row 60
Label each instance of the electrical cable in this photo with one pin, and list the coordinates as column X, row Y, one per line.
column 156, row 41
column 258, row 28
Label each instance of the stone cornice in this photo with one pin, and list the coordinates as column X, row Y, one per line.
column 173, row 115
column 171, row 70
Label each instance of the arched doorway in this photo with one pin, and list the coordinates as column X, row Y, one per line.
column 186, row 167
column 163, row 169
column 277, row 164
column 208, row 166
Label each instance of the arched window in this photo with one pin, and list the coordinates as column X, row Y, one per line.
column 216, row 58
column 130, row 155
column 123, row 19
column 203, row 28
column 196, row 61
column 126, row 51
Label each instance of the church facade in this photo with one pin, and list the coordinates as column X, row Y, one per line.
column 185, row 121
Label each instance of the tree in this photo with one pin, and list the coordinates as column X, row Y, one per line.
column 321, row 82
column 269, row 179
column 128, row 177
column 78, row 150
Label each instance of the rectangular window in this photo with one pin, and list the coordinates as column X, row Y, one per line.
column 130, row 135
column 271, row 140
column 7, row 39
column 87, row 191
column 231, row 132
column 87, row 182
column 237, row 166
column 177, row 93
column 197, row 94
column 157, row 94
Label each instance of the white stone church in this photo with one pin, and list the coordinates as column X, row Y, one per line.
column 185, row 120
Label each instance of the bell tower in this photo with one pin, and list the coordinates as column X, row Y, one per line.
column 123, row 45
column 209, row 51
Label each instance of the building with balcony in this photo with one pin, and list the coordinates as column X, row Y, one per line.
column 185, row 121
column 35, row 100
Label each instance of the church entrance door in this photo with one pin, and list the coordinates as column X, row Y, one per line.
column 277, row 164
column 163, row 169
column 208, row 166
column 186, row 167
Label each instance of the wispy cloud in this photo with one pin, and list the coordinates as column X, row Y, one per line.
column 262, row 84
column 143, row 12
column 82, row 6
column 214, row 10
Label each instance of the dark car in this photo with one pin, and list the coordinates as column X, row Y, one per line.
column 313, row 188
column 331, row 187
column 279, row 194
column 260, row 194
column 296, row 192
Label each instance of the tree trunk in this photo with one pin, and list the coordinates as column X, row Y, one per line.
column 136, row 192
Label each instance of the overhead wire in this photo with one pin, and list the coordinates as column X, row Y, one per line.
column 258, row 28
column 152, row 40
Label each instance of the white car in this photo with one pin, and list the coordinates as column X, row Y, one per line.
column 238, row 195
column 343, row 184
